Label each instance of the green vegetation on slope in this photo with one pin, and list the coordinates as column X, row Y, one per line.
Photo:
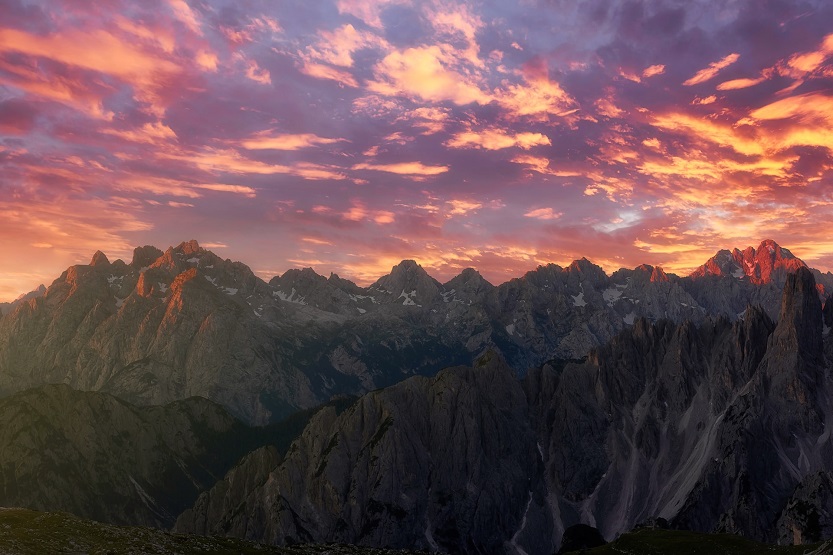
column 24, row 532
column 677, row 542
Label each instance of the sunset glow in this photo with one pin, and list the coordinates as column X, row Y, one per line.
column 348, row 135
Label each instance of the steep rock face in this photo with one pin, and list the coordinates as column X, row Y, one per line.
column 404, row 467
column 775, row 431
column 714, row 427
column 808, row 515
column 218, row 511
column 101, row 458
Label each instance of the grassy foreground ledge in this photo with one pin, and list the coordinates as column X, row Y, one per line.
column 27, row 532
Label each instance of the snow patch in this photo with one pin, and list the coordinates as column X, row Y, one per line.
column 612, row 294
column 578, row 300
column 738, row 273
column 213, row 280
column 409, row 298
column 193, row 260
column 449, row 296
column 162, row 287
column 113, row 279
column 119, row 302
column 361, row 310
column 230, row 290
column 510, row 329
column 291, row 298
column 629, row 318
column 825, row 330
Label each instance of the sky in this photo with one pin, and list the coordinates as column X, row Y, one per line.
column 347, row 135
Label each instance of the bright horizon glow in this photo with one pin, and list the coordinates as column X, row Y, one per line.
column 348, row 136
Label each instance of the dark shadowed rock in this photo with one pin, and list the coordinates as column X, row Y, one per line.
column 580, row 537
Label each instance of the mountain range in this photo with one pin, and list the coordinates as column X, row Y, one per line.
column 463, row 417
column 721, row 427
column 184, row 322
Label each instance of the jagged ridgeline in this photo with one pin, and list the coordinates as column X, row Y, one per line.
column 491, row 418
column 170, row 325
column 718, row 427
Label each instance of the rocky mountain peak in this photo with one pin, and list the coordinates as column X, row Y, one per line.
column 768, row 262
column 189, row 247
column 145, row 256
column 410, row 281
column 99, row 259
column 658, row 275
column 799, row 326
column 653, row 274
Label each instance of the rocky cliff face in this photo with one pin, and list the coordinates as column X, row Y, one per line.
column 101, row 458
column 185, row 322
column 722, row 426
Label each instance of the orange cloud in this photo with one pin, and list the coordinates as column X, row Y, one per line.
column 149, row 133
column 231, row 161
column 431, row 120
column 258, row 74
column 735, row 84
column 709, row 131
column 539, row 98
column 359, row 212
column 322, row 71
column 125, row 61
column 651, row 71
column 424, row 73
column 337, row 47
column 541, row 165
column 497, row 139
column 460, row 207
column 712, row 70
column 544, row 214
column 459, row 22
column 183, row 12
column 267, row 140
column 404, row 168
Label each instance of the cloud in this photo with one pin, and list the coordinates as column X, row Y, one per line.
column 322, row 71
column 368, row 11
column 150, row 133
column 497, row 139
column 543, row 214
column 424, row 73
column 141, row 68
column 461, row 207
column 217, row 160
column 404, row 168
column 712, row 70
column 337, row 47
column 541, row 165
column 183, row 12
column 653, row 70
column 268, row 140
